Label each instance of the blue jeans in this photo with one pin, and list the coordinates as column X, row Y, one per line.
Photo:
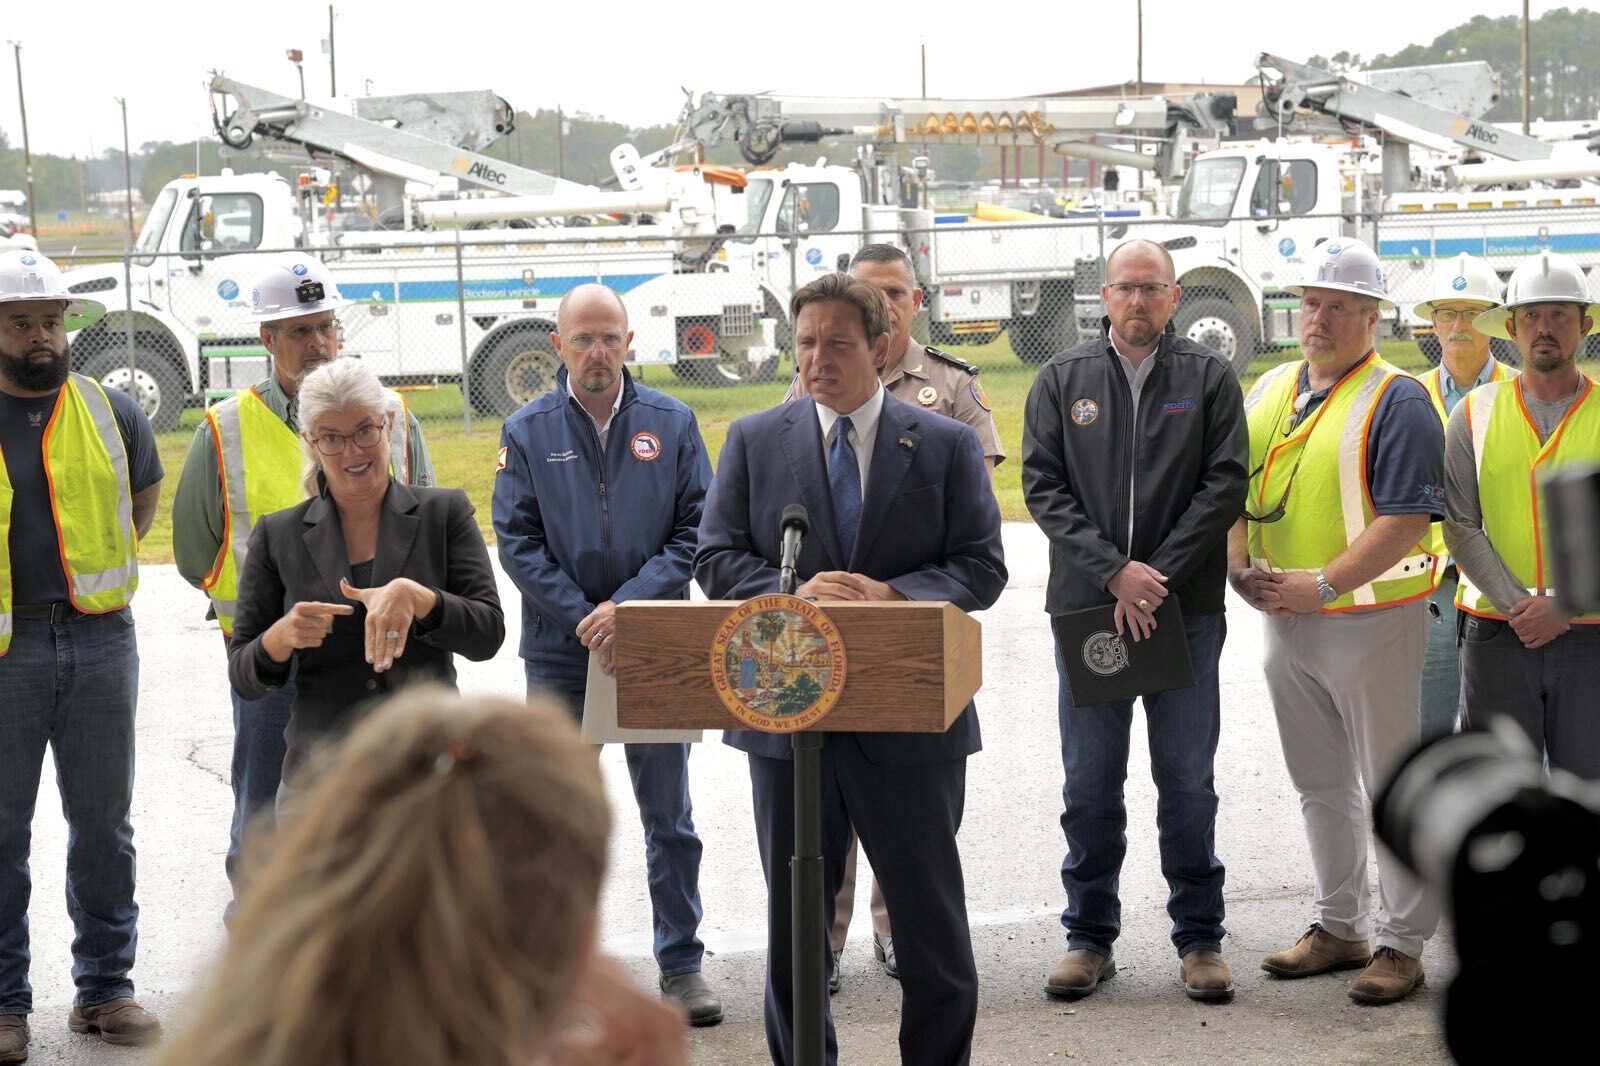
column 258, row 750
column 1441, row 669
column 660, row 775
column 72, row 685
column 1183, row 727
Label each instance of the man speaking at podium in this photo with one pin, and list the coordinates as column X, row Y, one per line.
column 900, row 508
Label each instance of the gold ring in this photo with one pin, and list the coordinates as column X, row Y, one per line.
column 1144, row 605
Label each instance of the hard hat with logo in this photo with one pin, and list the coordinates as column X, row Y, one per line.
column 1464, row 279
column 27, row 275
column 294, row 284
column 1547, row 278
column 1346, row 265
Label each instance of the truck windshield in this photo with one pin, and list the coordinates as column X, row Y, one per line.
column 1210, row 189
column 155, row 224
column 757, row 192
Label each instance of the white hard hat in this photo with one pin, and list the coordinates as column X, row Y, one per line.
column 295, row 284
column 1466, row 278
column 1547, row 278
column 27, row 275
column 1347, row 265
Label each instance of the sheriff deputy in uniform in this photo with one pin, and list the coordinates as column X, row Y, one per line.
column 1522, row 654
column 245, row 462
column 79, row 480
column 1346, row 461
column 931, row 379
column 1462, row 290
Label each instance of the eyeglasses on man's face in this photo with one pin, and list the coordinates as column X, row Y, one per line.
column 303, row 333
column 587, row 342
column 1448, row 317
column 1150, row 290
column 334, row 443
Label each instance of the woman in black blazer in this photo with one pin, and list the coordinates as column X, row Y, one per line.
column 368, row 586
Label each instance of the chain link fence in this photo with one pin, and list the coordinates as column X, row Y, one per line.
column 461, row 320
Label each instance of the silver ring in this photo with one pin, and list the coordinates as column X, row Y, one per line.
column 1144, row 605
column 393, row 634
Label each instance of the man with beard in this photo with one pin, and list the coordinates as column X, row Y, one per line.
column 244, row 462
column 1522, row 654
column 79, row 481
column 1334, row 547
column 597, row 501
column 1463, row 289
column 1133, row 452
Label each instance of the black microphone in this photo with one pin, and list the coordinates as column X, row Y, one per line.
column 796, row 524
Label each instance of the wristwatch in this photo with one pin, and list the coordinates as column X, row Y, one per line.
column 1325, row 591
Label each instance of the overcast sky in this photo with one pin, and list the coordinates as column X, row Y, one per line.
column 629, row 60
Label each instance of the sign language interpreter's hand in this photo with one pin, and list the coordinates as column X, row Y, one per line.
column 391, row 609
column 307, row 625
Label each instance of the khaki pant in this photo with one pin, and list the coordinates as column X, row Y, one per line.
column 1345, row 689
column 845, row 902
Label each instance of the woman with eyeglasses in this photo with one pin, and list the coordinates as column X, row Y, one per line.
column 368, row 586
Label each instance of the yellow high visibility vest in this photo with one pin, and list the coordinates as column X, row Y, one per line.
column 1320, row 470
column 260, row 459
column 1433, row 382
column 91, row 501
column 1511, row 462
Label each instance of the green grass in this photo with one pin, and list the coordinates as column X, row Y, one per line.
column 467, row 460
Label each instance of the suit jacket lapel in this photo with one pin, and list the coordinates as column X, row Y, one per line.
column 397, row 531
column 894, row 448
column 324, row 541
column 801, row 439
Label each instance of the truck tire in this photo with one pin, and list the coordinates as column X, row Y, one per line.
column 155, row 384
column 1053, row 328
column 1215, row 322
column 1428, row 344
column 724, row 369
column 513, row 369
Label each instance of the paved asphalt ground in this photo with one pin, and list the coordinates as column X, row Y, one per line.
column 1011, row 843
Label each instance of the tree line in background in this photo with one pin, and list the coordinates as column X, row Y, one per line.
column 1564, row 84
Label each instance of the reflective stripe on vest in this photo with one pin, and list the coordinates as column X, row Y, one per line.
column 1511, row 462
column 1323, row 478
column 91, row 502
column 260, row 460
column 1433, row 382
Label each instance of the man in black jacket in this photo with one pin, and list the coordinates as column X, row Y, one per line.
column 1133, row 464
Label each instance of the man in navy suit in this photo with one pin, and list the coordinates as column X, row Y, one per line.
column 900, row 508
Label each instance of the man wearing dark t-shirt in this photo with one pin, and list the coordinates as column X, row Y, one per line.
column 79, row 483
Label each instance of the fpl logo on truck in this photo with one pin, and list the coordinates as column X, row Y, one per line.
column 480, row 171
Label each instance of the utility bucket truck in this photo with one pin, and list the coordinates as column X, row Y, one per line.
column 445, row 290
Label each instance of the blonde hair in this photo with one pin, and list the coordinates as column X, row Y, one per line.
column 432, row 900
column 330, row 387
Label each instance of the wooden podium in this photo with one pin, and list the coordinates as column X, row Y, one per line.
column 910, row 667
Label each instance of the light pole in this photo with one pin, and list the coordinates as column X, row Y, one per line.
column 295, row 57
column 127, row 248
column 27, row 153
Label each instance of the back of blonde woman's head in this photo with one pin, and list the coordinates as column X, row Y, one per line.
column 431, row 901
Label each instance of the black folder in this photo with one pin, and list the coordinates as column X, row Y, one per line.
column 1103, row 667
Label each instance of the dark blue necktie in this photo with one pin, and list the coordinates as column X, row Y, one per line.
column 844, row 482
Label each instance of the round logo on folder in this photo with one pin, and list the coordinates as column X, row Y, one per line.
column 777, row 663
column 1105, row 653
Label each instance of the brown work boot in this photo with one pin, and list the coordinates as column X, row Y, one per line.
column 1317, row 951
column 118, row 1021
column 1388, row 978
column 1079, row 974
column 13, row 1038
column 1206, row 976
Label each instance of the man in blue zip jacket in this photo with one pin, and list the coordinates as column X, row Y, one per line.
column 597, row 500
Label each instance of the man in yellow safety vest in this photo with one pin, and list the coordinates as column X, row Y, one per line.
column 1346, row 460
column 1522, row 653
column 79, row 481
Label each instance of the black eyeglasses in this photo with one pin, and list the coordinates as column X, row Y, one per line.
column 334, row 443
column 1291, row 422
